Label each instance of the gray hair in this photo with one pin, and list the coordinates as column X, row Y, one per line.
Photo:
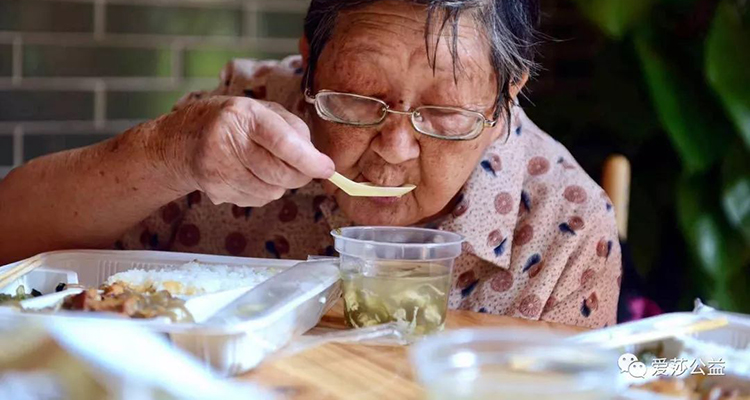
column 509, row 26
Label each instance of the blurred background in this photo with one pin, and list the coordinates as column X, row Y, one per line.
column 664, row 82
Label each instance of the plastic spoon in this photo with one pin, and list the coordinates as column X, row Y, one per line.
column 389, row 334
column 366, row 189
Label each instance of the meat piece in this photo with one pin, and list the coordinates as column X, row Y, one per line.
column 130, row 306
column 117, row 298
column 114, row 289
column 81, row 301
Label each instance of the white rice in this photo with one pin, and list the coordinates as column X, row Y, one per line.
column 193, row 278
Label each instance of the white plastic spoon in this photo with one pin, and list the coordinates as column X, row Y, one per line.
column 357, row 189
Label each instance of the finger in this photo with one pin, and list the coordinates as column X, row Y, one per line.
column 238, row 199
column 296, row 122
column 264, row 165
column 243, row 200
column 247, row 183
column 273, row 133
column 227, row 194
column 272, row 170
column 239, row 183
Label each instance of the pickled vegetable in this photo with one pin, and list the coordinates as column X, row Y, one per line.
column 19, row 296
column 119, row 299
column 415, row 295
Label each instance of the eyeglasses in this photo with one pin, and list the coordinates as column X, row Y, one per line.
column 448, row 123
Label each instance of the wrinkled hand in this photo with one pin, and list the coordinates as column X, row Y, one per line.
column 240, row 151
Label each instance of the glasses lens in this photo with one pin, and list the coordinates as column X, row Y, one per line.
column 447, row 122
column 349, row 109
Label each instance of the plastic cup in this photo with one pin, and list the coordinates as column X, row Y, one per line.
column 394, row 274
column 479, row 364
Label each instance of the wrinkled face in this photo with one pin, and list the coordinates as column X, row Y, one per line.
column 379, row 51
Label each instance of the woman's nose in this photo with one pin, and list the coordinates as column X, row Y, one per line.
column 397, row 140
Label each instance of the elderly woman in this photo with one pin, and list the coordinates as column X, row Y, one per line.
column 390, row 92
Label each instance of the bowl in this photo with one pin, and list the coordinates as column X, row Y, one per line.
column 395, row 274
column 480, row 364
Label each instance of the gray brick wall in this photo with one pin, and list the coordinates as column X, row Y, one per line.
column 93, row 68
column 73, row 72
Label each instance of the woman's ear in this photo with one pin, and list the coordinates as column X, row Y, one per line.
column 304, row 50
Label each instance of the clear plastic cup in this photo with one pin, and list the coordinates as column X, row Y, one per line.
column 479, row 364
column 393, row 274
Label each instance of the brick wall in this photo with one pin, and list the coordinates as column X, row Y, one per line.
column 73, row 72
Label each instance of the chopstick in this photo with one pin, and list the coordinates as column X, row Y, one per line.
column 18, row 271
column 651, row 336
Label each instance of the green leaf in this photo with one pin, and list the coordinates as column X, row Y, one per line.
column 696, row 127
column 715, row 245
column 720, row 257
column 737, row 288
column 614, row 17
column 728, row 64
column 727, row 293
column 736, row 190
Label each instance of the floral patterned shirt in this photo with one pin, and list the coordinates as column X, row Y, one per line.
column 541, row 236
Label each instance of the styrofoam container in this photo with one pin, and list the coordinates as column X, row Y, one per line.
column 729, row 343
column 42, row 279
column 234, row 330
column 614, row 333
column 727, row 382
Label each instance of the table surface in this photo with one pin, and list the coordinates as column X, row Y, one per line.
column 354, row 371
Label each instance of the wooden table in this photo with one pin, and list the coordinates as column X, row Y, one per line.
column 349, row 371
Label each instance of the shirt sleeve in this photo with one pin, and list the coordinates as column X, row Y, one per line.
column 258, row 79
column 158, row 230
column 249, row 78
column 588, row 289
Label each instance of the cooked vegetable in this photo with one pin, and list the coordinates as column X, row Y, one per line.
column 19, row 296
column 121, row 300
column 410, row 294
column 694, row 388
column 647, row 355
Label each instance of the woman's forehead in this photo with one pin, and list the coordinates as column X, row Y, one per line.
column 403, row 24
column 389, row 37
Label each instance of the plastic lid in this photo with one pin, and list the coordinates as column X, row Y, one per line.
column 276, row 297
column 397, row 243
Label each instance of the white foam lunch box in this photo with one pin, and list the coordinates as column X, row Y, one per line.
column 729, row 343
column 234, row 330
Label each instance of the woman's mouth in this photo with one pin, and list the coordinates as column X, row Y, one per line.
column 361, row 178
column 381, row 201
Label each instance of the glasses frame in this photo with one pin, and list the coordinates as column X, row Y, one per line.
column 486, row 123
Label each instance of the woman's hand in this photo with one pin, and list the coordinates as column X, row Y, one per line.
column 238, row 150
